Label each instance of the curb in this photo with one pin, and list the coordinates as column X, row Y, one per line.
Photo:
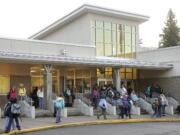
column 88, row 123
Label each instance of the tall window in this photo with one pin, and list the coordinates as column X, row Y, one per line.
column 115, row 40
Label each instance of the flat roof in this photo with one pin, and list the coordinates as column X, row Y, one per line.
column 69, row 60
column 90, row 9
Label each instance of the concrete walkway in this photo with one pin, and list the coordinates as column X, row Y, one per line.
column 46, row 121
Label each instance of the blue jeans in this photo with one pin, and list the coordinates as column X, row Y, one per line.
column 41, row 103
column 163, row 109
column 7, row 122
column 11, row 119
column 58, row 115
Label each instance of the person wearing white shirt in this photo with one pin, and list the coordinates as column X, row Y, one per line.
column 40, row 95
column 123, row 90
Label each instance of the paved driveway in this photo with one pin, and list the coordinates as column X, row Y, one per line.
column 117, row 129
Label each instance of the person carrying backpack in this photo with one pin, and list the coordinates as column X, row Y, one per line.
column 7, row 111
column 126, row 107
column 103, row 107
column 59, row 105
column 14, row 113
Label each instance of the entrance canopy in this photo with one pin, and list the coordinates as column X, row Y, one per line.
column 91, row 61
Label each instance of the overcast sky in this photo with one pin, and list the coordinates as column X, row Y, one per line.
column 23, row 18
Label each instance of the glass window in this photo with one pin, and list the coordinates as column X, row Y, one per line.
column 99, row 35
column 107, row 26
column 127, row 28
column 128, row 39
column 107, row 36
column 114, row 27
column 108, row 49
column 99, row 25
column 70, row 74
column 133, row 39
column 119, row 27
column 99, row 49
column 114, row 50
column 114, row 43
column 119, row 40
column 122, row 70
column 78, row 73
column 4, row 84
column 122, row 76
column 134, row 73
column 133, row 45
column 128, row 53
column 129, row 76
column 129, row 70
column 133, row 29
column 108, row 72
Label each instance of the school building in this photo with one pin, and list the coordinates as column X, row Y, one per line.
column 91, row 45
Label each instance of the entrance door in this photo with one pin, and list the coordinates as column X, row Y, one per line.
column 37, row 78
column 104, row 81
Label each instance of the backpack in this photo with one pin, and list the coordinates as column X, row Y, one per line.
column 103, row 103
column 110, row 93
column 126, row 103
column 103, row 94
column 7, row 109
column 148, row 91
column 15, row 109
column 59, row 104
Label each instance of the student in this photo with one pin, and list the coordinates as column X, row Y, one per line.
column 34, row 97
column 155, row 107
column 12, row 93
column 7, row 111
column 22, row 91
column 123, row 90
column 164, row 103
column 14, row 113
column 126, row 107
column 95, row 96
column 59, row 105
column 40, row 94
column 68, row 96
column 103, row 107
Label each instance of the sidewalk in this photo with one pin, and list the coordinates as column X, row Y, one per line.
column 46, row 121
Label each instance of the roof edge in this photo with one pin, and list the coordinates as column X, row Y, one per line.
column 48, row 42
column 84, row 9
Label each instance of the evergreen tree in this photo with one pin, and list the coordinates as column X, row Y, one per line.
column 170, row 36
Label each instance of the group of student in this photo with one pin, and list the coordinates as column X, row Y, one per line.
column 37, row 96
column 155, row 95
column 123, row 99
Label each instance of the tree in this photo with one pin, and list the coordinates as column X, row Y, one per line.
column 170, row 36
